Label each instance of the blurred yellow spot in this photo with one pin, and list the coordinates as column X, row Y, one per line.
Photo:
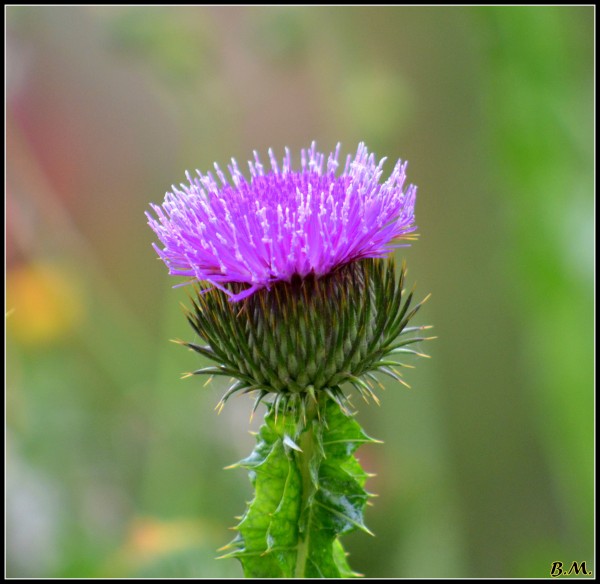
column 43, row 303
column 149, row 537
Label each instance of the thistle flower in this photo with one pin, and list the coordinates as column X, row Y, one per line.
column 291, row 296
column 283, row 223
column 295, row 298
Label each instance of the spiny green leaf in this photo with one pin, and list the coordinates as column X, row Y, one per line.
column 305, row 499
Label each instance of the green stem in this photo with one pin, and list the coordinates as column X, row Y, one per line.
column 308, row 489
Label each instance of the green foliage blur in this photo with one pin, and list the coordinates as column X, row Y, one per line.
column 114, row 464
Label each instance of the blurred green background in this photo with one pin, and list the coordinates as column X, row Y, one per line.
column 114, row 463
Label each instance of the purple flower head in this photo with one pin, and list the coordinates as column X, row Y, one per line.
column 283, row 222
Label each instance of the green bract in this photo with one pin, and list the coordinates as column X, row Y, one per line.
column 308, row 336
